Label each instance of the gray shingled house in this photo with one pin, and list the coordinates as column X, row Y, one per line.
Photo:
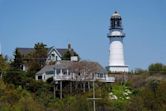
column 54, row 54
column 74, row 71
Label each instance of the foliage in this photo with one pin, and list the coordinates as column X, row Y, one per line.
column 37, row 57
column 20, row 92
column 12, row 99
column 157, row 68
column 50, row 80
column 122, row 92
column 4, row 66
column 18, row 60
column 15, row 77
column 67, row 55
column 77, row 103
column 137, row 80
column 149, row 100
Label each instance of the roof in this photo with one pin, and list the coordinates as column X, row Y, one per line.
column 25, row 51
column 115, row 15
column 89, row 65
column 61, row 51
column 59, row 65
column 45, row 69
column 100, row 68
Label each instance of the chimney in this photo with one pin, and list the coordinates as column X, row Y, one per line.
column 74, row 58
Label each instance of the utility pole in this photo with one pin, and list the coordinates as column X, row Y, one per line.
column 94, row 95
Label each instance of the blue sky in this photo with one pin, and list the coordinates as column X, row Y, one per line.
column 85, row 23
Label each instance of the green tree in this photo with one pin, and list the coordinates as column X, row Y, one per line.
column 37, row 57
column 4, row 66
column 15, row 77
column 18, row 60
column 164, row 69
column 67, row 55
column 151, row 97
column 155, row 68
column 17, row 99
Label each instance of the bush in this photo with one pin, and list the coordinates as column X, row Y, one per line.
column 157, row 68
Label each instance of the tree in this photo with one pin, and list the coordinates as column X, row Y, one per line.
column 15, row 77
column 4, row 66
column 164, row 69
column 151, row 97
column 37, row 57
column 17, row 99
column 18, row 60
column 157, row 68
column 67, row 55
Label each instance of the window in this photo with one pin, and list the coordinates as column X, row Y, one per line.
column 50, row 72
column 64, row 71
column 57, row 71
column 39, row 77
column 53, row 55
column 100, row 75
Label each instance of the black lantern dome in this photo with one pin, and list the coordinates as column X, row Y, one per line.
column 116, row 21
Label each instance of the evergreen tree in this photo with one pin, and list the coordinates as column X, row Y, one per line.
column 67, row 55
column 38, row 57
column 3, row 65
column 18, row 60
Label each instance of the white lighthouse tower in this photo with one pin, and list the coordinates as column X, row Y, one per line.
column 116, row 53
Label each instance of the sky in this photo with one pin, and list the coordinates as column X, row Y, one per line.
column 85, row 24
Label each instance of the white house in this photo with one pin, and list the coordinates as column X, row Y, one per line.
column 74, row 71
column 53, row 54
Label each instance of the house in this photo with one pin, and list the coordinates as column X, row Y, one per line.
column 74, row 71
column 53, row 54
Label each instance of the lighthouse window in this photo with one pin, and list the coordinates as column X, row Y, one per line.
column 112, row 24
column 115, row 22
column 118, row 23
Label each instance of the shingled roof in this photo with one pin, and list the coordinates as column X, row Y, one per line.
column 68, row 64
column 26, row 51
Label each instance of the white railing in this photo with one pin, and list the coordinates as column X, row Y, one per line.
column 80, row 78
column 63, row 77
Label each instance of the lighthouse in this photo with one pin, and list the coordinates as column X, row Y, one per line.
column 116, row 47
